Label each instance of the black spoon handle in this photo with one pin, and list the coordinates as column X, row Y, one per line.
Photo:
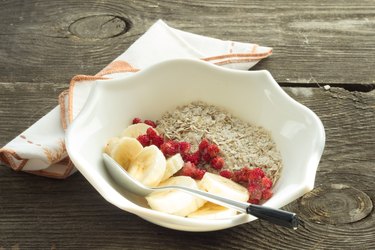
column 275, row 216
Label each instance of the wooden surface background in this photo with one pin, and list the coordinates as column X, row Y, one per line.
column 45, row 43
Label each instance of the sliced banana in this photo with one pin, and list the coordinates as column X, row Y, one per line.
column 110, row 145
column 136, row 130
column 174, row 163
column 174, row 201
column 148, row 167
column 212, row 211
column 124, row 150
column 222, row 186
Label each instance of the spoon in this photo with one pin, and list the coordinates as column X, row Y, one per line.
column 275, row 216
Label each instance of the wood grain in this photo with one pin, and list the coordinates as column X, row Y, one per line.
column 40, row 213
column 315, row 42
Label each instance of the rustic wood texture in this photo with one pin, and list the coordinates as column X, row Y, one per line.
column 313, row 41
column 44, row 43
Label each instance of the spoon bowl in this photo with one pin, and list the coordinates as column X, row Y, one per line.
column 275, row 216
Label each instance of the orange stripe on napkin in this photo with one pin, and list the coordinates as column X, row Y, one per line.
column 7, row 156
column 117, row 67
column 66, row 163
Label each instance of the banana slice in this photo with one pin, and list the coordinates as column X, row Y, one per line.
column 174, row 163
column 148, row 167
column 222, row 186
column 135, row 130
column 110, row 145
column 173, row 201
column 212, row 211
column 124, row 150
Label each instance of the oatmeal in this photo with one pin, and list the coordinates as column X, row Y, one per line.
column 241, row 143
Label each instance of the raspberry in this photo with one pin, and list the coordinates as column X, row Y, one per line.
column 203, row 145
column 157, row 141
column 193, row 158
column 189, row 169
column 256, row 174
column 253, row 201
column 184, row 147
column 266, row 194
column 213, row 150
column 169, row 148
column 266, row 182
column 206, row 157
column 241, row 175
column 136, row 120
column 150, row 123
column 226, row 173
column 199, row 173
column 217, row 162
column 144, row 140
column 255, row 192
column 151, row 133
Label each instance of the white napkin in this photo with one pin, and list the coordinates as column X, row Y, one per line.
column 41, row 149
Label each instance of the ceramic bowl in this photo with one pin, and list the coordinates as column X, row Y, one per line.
column 253, row 96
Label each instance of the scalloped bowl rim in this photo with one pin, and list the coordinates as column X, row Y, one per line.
column 87, row 119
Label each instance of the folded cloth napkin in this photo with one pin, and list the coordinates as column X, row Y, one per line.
column 40, row 149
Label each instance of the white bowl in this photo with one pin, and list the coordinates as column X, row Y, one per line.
column 251, row 95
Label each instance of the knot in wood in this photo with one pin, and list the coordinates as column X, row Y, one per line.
column 335, row 204
column 100, row 26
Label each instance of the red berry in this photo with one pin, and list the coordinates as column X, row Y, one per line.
column 206, row 157
column 137, row 120
column 266, row 194
column 151, row 133
column 157, row 141
column 169, row 148
column 199, row 173
column 189, row 169
column 241, row 175
column 255, row 192
column 193, row 158
column 256, row 174
column 144, row 140
column 266, row 182
column 226, row 173
column 253, row 201
column 213, row 150
column 184, row 147
column 150, row 123
column 217, row 162
column 203, row 145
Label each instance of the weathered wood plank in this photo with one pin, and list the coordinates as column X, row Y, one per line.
column 314, row 42
column 40, row 213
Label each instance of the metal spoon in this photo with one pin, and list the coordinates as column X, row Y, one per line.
column 275, row 216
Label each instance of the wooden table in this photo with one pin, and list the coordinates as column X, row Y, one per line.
column 316, row 43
